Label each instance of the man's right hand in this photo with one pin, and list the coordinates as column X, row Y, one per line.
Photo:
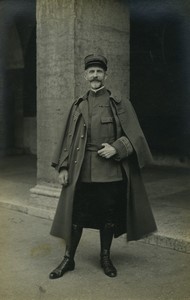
column 63, row 177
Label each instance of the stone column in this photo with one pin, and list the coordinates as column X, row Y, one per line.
column 103, row 26
column 67, row 31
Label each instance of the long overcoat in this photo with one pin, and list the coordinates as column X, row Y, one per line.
column 71, row 149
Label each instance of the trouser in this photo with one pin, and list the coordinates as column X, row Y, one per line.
column 95, row 207
column 96, row 204
column 106, row 237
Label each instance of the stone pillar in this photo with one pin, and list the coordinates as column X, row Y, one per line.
column 67, row 31
column 103, row 26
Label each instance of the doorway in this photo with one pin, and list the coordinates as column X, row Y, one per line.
column 159, row 75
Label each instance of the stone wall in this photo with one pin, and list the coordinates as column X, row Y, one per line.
column 66, row 32
column 103, row 27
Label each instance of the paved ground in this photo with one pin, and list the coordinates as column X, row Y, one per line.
column 168, row 190
column 28, row 253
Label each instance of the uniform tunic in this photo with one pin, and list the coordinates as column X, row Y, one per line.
column 100, row 183
column 101, row 129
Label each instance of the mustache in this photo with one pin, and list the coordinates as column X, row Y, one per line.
column 95, row 79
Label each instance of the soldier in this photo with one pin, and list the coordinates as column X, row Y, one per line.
column 99, row 157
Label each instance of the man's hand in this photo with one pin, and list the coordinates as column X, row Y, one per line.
column 107, row 151
column 63, row 177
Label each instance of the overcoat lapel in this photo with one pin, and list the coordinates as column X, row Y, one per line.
column 83, row 108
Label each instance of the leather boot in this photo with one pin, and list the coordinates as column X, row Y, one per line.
column 68, row 263
column 106, row 237
column 107, row 264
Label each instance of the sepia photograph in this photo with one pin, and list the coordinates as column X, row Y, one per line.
column 95, row 149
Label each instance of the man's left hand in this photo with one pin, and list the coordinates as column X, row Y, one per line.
column 107, row 151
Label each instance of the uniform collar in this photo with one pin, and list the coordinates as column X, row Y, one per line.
column 85, row 97
column 99, row 92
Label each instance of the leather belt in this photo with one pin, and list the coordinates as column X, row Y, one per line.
column 96, row 147
column 93, row 147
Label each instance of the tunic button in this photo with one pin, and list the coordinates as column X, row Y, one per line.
column 84, row 125
column 75, row 161
column 78, row 149
column 65, row 149
column 82, row 136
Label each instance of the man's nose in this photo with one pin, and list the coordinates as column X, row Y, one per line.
column 95, row 73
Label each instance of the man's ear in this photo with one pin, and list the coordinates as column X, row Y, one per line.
column 106, row 76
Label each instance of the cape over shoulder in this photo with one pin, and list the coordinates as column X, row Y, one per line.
column 71, row 111
column 132, row 128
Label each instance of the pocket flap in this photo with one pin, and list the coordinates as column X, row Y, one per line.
column 106, row 119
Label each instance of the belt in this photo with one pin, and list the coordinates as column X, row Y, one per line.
column 93, row 147
column 96, row 147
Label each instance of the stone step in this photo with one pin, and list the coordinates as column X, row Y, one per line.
column 157, row 239
column 43, row 196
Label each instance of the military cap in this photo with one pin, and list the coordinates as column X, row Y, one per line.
column 95, row 60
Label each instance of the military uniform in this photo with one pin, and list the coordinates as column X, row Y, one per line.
column 107, row 194
column 101, row 185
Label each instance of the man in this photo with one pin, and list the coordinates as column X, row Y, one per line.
column 99, row 157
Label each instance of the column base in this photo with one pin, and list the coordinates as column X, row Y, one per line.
column 43, row 201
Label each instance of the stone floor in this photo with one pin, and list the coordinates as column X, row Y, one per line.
column 145, row 272
column 168, row 189
column 28, row 253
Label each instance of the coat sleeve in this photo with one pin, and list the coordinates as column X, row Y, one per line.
column 132, row 130
column 123, row 148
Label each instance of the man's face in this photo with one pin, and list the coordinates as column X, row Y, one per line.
column 96, row 77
